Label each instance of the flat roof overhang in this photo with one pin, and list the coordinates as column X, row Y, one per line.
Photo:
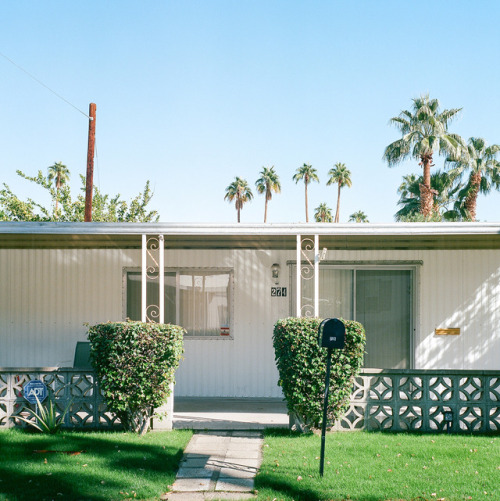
column 354, row 236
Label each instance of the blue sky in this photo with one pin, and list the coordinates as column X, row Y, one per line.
column 191, row 94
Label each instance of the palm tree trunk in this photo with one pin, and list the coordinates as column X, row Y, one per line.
column 58, row 185
column 238, row 206
column 337, row 214
column 426, row 193
column 471, row 200
column 265, row 212
column 307, row 212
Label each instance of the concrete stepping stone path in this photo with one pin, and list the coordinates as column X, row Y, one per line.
column 218, row 465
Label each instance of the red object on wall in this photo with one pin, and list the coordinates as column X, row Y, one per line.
column 224, row 330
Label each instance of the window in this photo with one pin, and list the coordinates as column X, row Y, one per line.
column 380, row 298
column 199, row 300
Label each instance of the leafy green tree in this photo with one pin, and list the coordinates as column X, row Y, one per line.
column 323, row 214
column 239, row 191
column 340, row 175
column 446, row 188
column 308, row 174
column 104, row 208
column 58, row 173
column 358, row 217
column 267, row 183
column 424, row 131
column 481, row 164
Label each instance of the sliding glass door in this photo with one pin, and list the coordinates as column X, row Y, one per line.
column 380, row 298
column 383, row 306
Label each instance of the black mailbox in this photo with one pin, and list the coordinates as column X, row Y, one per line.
column 331, row 334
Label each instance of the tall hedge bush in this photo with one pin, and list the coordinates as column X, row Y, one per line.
column 302, row 368
column 135, row 364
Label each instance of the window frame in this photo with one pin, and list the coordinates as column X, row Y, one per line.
column 178, row 270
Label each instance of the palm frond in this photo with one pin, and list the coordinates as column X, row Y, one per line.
column 397, row 152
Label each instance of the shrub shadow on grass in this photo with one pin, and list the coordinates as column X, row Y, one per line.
column 107, row 466
column 296, row 493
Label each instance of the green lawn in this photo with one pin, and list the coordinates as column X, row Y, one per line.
column 110, row 465
column 375, row 466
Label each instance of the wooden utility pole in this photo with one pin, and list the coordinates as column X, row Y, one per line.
column 89, row 186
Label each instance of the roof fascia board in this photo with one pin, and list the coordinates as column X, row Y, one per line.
column 271, row 229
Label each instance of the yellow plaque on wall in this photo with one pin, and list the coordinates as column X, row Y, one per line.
column 448, row 332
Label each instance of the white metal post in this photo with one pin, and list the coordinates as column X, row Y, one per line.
column 161, row 278
column 298, row 291
column 316, row 275
column 144, row 257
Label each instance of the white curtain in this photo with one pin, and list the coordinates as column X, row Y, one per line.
column 203, row 302
column 152, row 292
column 335, row 292
column 198, row 301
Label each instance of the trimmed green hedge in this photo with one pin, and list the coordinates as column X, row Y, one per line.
column 135, row 364
column 302, row 368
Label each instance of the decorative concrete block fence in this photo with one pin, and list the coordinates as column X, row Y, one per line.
column 417, row 400
column 88, row 409
column 385, row 400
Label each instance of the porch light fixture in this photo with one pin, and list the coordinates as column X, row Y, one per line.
column 448, row 419
column 275, row 273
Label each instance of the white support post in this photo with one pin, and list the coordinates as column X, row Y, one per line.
column 144, row 257
column 298, row 284
column 316, row 276
column 161, row 278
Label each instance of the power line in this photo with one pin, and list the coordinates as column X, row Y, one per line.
column 43, row 85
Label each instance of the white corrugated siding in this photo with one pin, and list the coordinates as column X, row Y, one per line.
column 243, row 365
column 47, row 295
column 460, row 289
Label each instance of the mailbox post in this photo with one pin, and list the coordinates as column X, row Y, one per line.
column 331, row 335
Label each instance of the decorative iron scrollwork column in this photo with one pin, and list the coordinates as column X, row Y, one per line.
column 307, row 269
column 152, row 269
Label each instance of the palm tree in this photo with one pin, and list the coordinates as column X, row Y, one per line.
column 447, row 188
column 404, row 188
column 342, row 176
column 424, row 130
column 483, row 167
column 323, row 214
column 240, row 191
column 308, row 174
column 358, row 217
column 60, row 174
column 267, row 183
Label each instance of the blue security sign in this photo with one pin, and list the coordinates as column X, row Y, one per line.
column 35, row 389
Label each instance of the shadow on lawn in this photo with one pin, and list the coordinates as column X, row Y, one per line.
column 300, row 492
column 297, row 493
column 22, row 475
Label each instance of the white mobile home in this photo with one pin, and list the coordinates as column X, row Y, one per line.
column 427, row 294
